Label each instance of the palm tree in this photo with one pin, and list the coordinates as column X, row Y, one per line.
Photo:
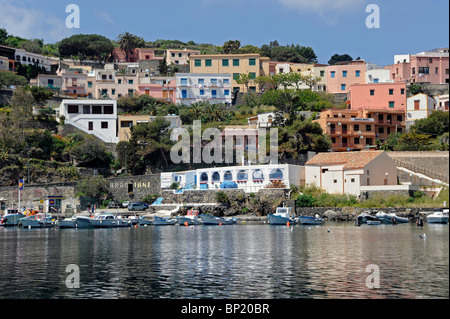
column 129, row 42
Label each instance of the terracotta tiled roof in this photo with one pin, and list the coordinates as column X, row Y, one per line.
column 351, row 160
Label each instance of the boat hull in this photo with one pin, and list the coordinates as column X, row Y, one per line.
column 27, row 223
column 115, row 223
column 437, row 220
column 217, row 221
column 311, row 221
column 11, row 220
column 191, row 221
column 164, row 222
column 392, row 219
column 67, row 224
column 279, row 220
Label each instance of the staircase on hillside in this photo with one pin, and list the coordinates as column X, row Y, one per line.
column 426, row 172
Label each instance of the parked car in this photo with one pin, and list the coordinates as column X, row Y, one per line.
column 136, row 207
column 145, row 204
column 114, row 204
column 126, row 204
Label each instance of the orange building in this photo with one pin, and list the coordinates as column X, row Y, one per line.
column 354, row 130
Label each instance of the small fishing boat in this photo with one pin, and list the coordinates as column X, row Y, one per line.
column 391, row 218
column 221, row 221
column 102, row 220
column 11, row 218
column 282, row 216
column 306, row 220
column 68, row 223
column 438, row 217
column 38, row 221
column 364, row 218
column 191, row 218
column 164, row 221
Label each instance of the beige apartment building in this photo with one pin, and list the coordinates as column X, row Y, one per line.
column 180, row 57
column 234, row 64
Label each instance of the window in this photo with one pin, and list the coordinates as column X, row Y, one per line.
column 72, row 109
column 104, row 125
column 258, row 175
column 130, row 81
column 226, row 81
column 184, row 94
column 358, row 73
column 216, row 177
column 436, row 70
column 180, row 55
column 214, row 81
column 96, row 109
column 204, row 177
column 343, row 87
column 235, row 62
column 335, row 181
column 352, row 180
column 86, row 109
column 108, row 109
column 89, row 84
column 368, row 128
column 276, row 174
column 113, row 92
column 173, row 55
column 201, row 81
column 376, row 80
column 228, row 176
column 372, row 92
column 252, row 89
column 214, row 94
column 356, row 128
column 322, row 73
column 208, row 62
column 90, row 126
column 197, row 62
column 252, row 75
column 235, row 76
column 119, row 81
column 202, row 92
column 184, row 82
column 126, row 124
column 424, row 70
column 252, row 61
column 381, row 130
column 130, row 93
column 344, row 74
column 391, row 105
column 416, row 105
column 333, row 74
column 391, row 91
column 225, row 62
column 226, row 92
column 403, row 91
column 242, row 176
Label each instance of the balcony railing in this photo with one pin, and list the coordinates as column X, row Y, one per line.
column 348, row 145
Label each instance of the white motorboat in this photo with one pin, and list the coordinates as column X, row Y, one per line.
column 438, row 217
column 214, row 220
column 103, row 220
column 38, row 221
column 365, row 218
column 282, row 216
column 68, row 223
column 11, row 218
column 391, row 218
column 191, row 218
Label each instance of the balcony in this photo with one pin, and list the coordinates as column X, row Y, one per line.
column 347, row 146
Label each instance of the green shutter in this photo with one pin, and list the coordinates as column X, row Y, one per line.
column 208, row 62
column 198, row 62
column 225, row 62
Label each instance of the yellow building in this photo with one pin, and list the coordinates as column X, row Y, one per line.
column 126, row 122
column 234, row 64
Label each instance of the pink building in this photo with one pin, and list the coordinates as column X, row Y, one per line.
column 161, row 88
column 425, row 67
column 342, row 75
column 377, row 96
column 139, row 54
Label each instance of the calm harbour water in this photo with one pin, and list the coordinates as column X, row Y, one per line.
column 229, row 262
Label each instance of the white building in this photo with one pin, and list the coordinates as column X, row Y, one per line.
column 94, row 117
column 347, row 172
column 419, row 106
column 249, row 178
column 377, row 74
column 263, row 120
column 203, row 87
column 28, row 58
column 442, row 102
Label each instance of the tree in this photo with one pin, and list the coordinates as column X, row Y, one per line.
column 163, row 69
column 231, row 47
column 3, row 35
column 311, row 80
column 339, row 58
column 129, row 42
column 244, row 79
column 7, row 79
column 86, row 46
column 94, row 187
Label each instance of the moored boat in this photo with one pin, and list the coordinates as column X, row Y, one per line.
column 11, row 218
column 391, row 218
column 38, row 221
column 214, row 220
column 191, row 218
column 365, row 218
column 164, row 221
column 438, row 217
column 306, row 220
column 373, row 222
column 68, row 223
column 282, row 216
column 102, row 220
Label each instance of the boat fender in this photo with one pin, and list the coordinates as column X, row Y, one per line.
column 186, row 224
column 288, row 224
column 3, row 221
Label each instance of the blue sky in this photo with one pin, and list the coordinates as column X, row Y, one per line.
column 328, row 26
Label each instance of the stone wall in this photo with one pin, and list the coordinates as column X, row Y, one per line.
column 134, row 188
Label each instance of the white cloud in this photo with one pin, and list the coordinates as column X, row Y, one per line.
column 26, row 22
